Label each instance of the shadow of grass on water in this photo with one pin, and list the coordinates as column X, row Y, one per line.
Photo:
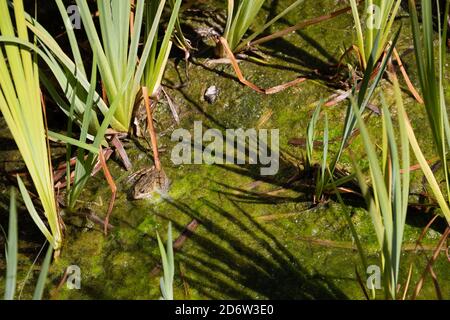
column 236, row 257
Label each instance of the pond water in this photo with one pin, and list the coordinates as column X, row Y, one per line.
column 258, row 237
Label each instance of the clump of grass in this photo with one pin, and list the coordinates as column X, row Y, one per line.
column 123, row 65
column 363, row 92
column 387, row 196
column 85, row 158
column 23, row 110
column 159, row 54
column 431, row 77
column 80, row 92
column 375, row 32
column 310, row 139
column 117, row 49
column 241, row 15
column 180, row 40
column 120, row 62
column 115, row 52
column 69, row 73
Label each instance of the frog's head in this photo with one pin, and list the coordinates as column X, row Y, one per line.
column 150, row 183
column 143, row 191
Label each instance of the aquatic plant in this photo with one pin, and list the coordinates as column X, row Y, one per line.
column 159, row 54
column 23, row 110
column 166, row 281
column 180, row 40
column 365, row 89
column 85, row 158
column 387, row 196
column 375, row 32
column 121, row 62
column 72, row 79
column 241, row 15
column 310, row 139
column 68, row 72
column 120, row 69
column 310, row 135
column 426, row 169
column 431, row 77
column 363, row 92
column 117, row 50
column 322, row 173
column 88, row 155
column 11, row 257
column 254, row 39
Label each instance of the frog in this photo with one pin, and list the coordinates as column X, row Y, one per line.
column 149, row 181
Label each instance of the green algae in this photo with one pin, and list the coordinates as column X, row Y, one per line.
column 237, row 252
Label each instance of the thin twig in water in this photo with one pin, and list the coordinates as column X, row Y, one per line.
column 296, row 27
column 430, row 263
column 253, row 86
column 151, row 128
column 55, row 293
column 172, row 106
column 411, row 87
column 122, row 153
column 408, row 281
column 113, row 187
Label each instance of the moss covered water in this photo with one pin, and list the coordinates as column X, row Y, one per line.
column 259, row 237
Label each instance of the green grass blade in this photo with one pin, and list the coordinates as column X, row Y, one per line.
column 32, row 211
column 170, row 257
column 156, row 71
column 378, row 179
column 310, row 134
column 72, row 141
column 40, row 285
column 11, row 253
column 359, row 32
column 259, row 30
column 324, row 166
column 243, row 17
column 163, row 282
column 21, row 107
column 83, row 166
column 229, row 18
column 71, row 36
column 167, row 257
column 94, row 40
column 429, row 175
